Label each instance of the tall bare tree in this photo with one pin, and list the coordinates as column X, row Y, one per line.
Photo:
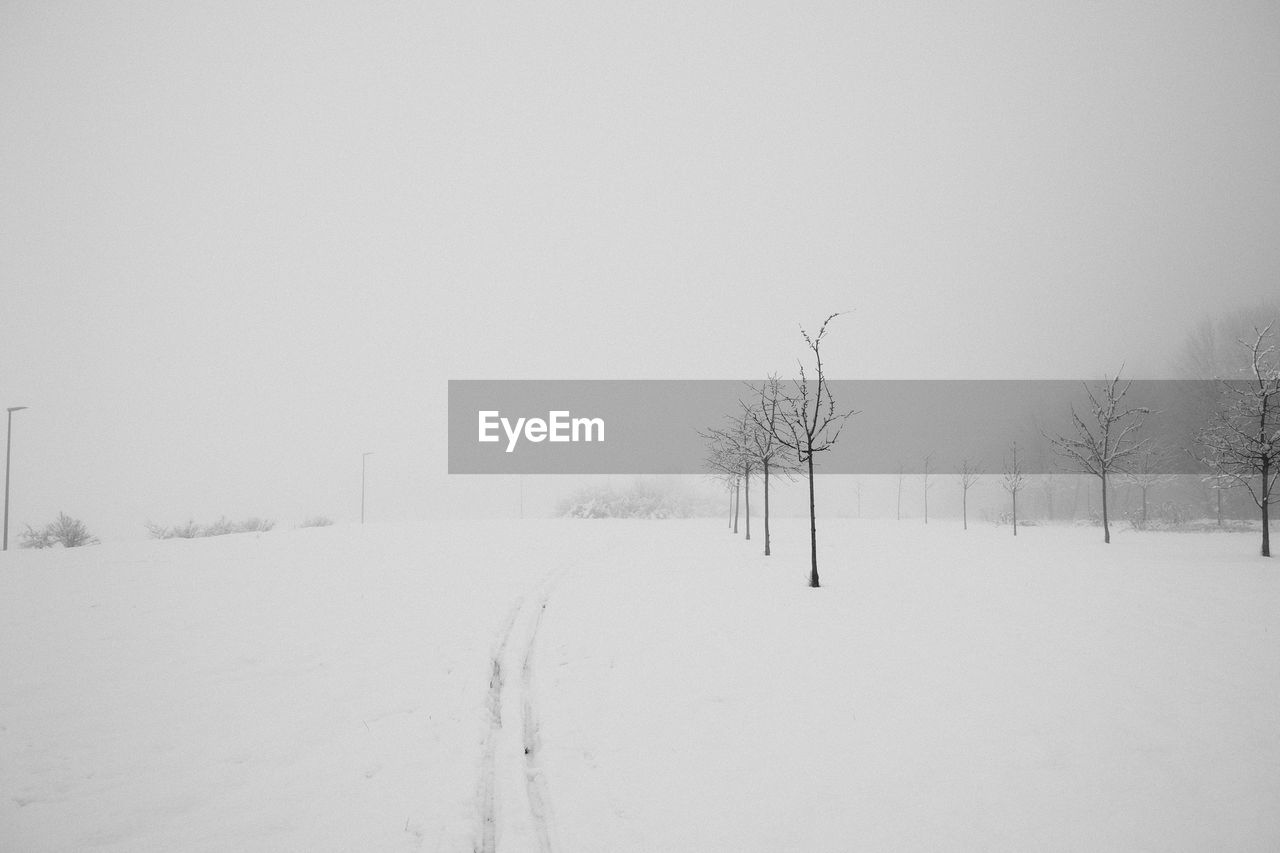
column 1014, row 479
column 741, row 445
column 763, row 418
column 1102, row 445
column 969, row 474
column 808, row 424
column 1242, row 442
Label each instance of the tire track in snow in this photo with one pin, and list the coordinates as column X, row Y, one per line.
column 535, row 781
column 512, row 797
column 486, row 794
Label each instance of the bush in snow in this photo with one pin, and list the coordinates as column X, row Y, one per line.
column 66, row 531
column 221, row 527
column 316, row 521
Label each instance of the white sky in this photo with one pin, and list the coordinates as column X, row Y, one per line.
column 243, row 243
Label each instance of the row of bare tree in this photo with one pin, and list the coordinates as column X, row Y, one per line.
column 780, row 428
column 1238, row 448
column 778, row 431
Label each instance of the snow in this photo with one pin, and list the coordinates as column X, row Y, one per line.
column 627, row 686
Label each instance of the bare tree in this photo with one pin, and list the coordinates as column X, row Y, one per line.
column 723, row 464
column 808, row 424
column 1218, row 484
column 737, row 503
column 1014, row 479
column 1048, row 484
column 1242, row 442
column 1147, row 469
column 744, row 448
column 969, row 474
column 762, row 421
column 1103, row 445
column 744, row 429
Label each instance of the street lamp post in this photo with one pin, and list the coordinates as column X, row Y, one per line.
column 364, row 458
column 8, row 442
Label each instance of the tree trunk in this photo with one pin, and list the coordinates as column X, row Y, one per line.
column 766, row 509
column 1106, row 525
column 746, row 482
column 964, row 507
column 1015, row 511
column 1144, row 504
column 1266, row 507
column 813, row 530
column 1219, row 493
column 1266, row 531
column 737, row 503
column 731, row 509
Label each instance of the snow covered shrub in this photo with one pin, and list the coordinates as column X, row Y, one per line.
column 32, row 538
column 66, row 531
column 316, row 521
column 221, row 527
column 190, row 530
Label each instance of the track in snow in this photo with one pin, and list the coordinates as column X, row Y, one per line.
column 514, row 806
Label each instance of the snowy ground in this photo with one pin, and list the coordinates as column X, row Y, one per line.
column 656, row 686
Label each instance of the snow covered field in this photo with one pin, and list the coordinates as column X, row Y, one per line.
column 655, row 686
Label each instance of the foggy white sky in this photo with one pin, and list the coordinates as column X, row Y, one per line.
column 243, row 243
